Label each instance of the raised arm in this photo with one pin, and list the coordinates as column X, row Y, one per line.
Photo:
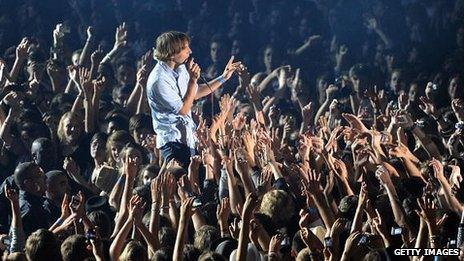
column 18, row 238
column 117, row 245
column 119, row 43
column 21, row 55
column 248, row 207
column 85, row 55
column 231, row 67
column 185, row 214
column 398, row 212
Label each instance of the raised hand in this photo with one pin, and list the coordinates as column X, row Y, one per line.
column 330, row 92
column 58, row 34
column 438, row 170
column 223, row 212
column 71, row 167
column 340, row 169
column 355, row 122
column 275, row 243
column 12, row 99
column 403, row 120
column 155, row 189
column 186, row 208
column 120, row 36
column 12, row 195
column 85, row 82
column 136, row 210
column 3, row 73
column 73, row 73
column 231, row 67
column 234, row 228
column 371, row 23
column 97, row 56
column 65, row 210
column 383, row 175
column 99, row 85
column 250, row 144
column 427, row 106
column 147, row 59
column 283, row 75
column 313, row 182
column 142, row 76
column 239, row 121
column 78, row 208
column 90, row 33
column 23, row 49
column 130, row 167
column 428, row 210
column 207, row 158
column 458, row 108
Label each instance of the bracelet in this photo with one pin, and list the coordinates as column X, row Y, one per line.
column 221, row 79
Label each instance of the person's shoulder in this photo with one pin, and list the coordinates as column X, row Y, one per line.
column 156, row 76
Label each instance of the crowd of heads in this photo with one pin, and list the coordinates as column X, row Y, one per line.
column 341, row 140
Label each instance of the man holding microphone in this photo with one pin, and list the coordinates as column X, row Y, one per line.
column 172, row 88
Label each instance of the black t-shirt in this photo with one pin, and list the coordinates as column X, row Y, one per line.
column 81, row 154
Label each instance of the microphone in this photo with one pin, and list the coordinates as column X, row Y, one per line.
column 202, row 78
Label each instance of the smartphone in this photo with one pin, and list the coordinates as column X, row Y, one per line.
column 328, row 242
column 459, row 125
column 285, row 245
column 6, row 241
column 197, row 202
column 451, row 243
column 364, row 240
column 396, row 231
column 285, row 241
column 90, row 235
column 75, row 200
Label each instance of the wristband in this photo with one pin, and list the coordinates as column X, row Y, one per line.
column 221, row 79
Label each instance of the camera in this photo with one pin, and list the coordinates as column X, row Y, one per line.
column 396, row 231
column 328, row 242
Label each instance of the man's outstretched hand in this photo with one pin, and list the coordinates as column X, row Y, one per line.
column 231, row 67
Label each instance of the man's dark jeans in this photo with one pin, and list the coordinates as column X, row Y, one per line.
column 178, row 151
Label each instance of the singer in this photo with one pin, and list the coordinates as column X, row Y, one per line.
column 172, row 88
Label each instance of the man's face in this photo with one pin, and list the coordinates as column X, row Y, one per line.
column 72, row 130
column 43, row 155
column 36, row 183
column 57, row 187
column 183, row 55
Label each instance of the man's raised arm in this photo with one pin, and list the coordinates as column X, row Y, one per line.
column 231, row 67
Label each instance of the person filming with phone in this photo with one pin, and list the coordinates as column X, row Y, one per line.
column 172, row 89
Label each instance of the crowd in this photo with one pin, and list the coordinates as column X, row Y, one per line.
column 342, row 139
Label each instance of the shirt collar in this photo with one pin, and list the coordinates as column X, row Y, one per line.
column 175, row 72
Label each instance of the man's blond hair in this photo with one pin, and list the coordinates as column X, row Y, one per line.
column 169, row 44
